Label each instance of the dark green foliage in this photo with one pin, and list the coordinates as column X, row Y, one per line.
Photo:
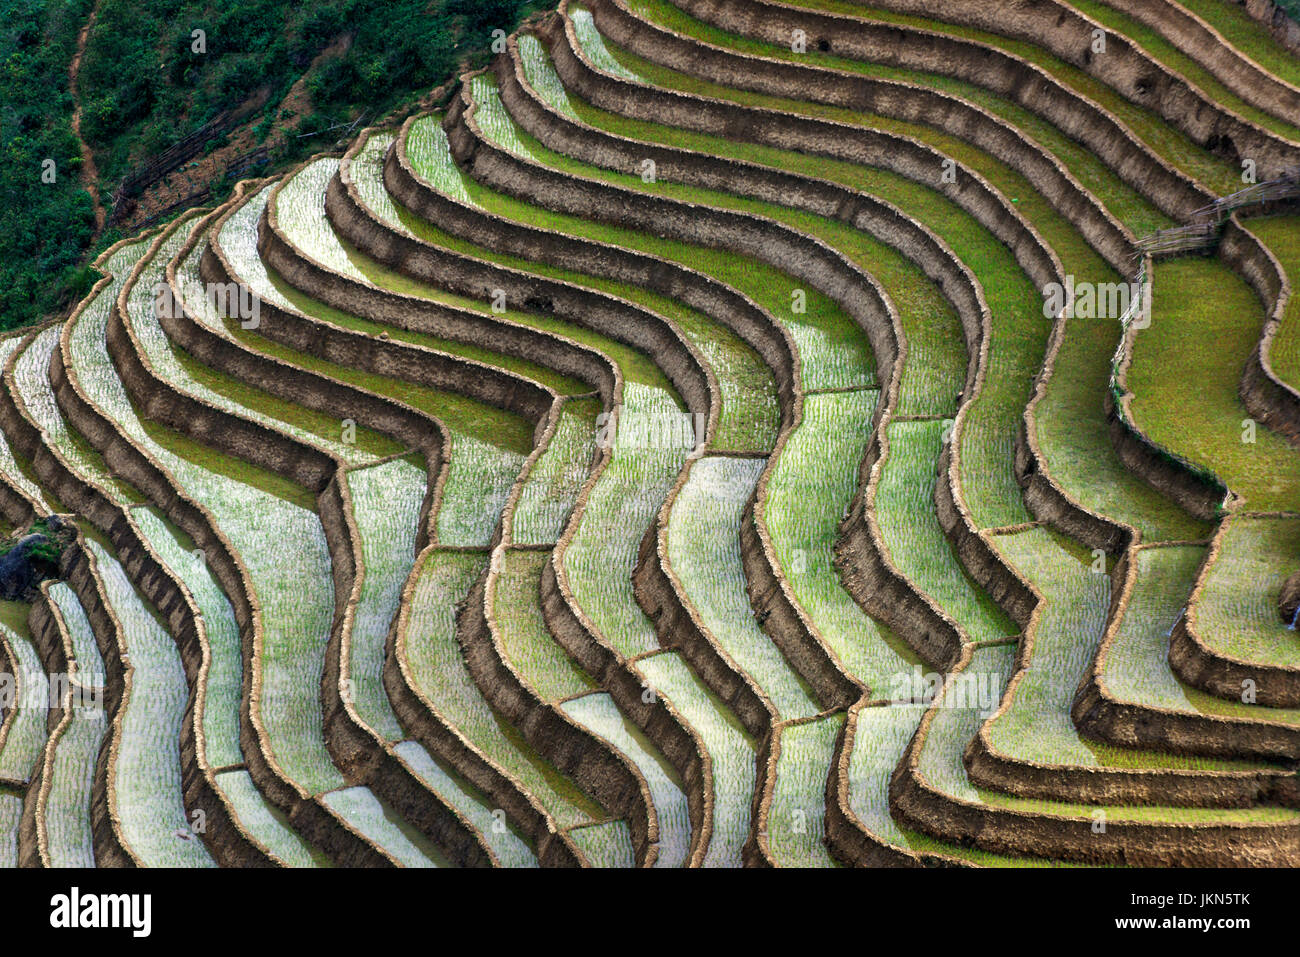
column 142, row 88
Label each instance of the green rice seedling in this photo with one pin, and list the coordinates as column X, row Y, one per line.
column 599, row 714
column 28, row 688
column 623, row 503
column 1073, row 434
column 936, row 365
column 9, row 466
column 730, row 750
column 1037, row 727
column 386, row 501
column 1171, row 145
column 71, row 775
column 795, row 821
column 1199, row 302
column 323, row 243
column 509, row 846
column 75, row 750
column 1248, row 35
column 704, row 552
column 833, row 350
column 147, row 772
column 1021, row 334
column 1122, row 200
column 1281, row 234
column 1165, row 53
column 1237, row 612
column 552, row 487
column 606, row 845
column 749, row 414
column 438, row 670
column 913, row 538
column 89, row 666
column 31, row 375
column 882, row 736
column 223, row 391
column 365, row 812
column 11, row 810
column 224, row 683
column 809, row 490
column 1135, row 668
column 526, row 643
column 265, row 822
column 956, row 723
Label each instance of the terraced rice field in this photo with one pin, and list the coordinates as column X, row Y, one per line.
column 653, row 456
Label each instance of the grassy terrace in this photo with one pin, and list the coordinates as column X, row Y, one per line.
column 11, row 809
column 147, row 771
column 66, row 814
column 913, row 538
column 955, row 724
column 881, row 737
column 1072, row 431
column 1174, row 380
column 599, row 713
column 1165, row 53
column 729, row 746
column 623, row 503
column 1168, row 143
column 386, row 501
column 795, row 821
column 300, row 212
column 225, row 392
column 749, row 411
column 813, row 482
column 1165, row 580
column 488, row 445
column 704, row 551
column 1123, row 202
column 377, row 822
column 14, row 472
column 606, row 845
column 260, row 515
column 931, row 325
column 557, row 476
column 434, row 658
column 1036, row 727
column 1248, row 35
column 24, row 719
column 1281, row 234
column 1237, row 612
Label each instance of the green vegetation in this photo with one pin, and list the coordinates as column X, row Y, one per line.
column 24, row 716
column 1165, row 53
column 795, row 820
column 810, row 488
column 605, row 845
column 526, row 644
column 1036, row 725
column 429, row 647
column 1249, row 35
column 915, row 542
column 704, row 552
column 1198, row 302
column 147, row 774
column 552, row 486
column 1237, row 612
column 599, row 714
column 729, row 747
column 1281, row 234
column 1135, row 667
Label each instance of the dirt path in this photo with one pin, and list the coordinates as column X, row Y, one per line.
column 89, row 172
